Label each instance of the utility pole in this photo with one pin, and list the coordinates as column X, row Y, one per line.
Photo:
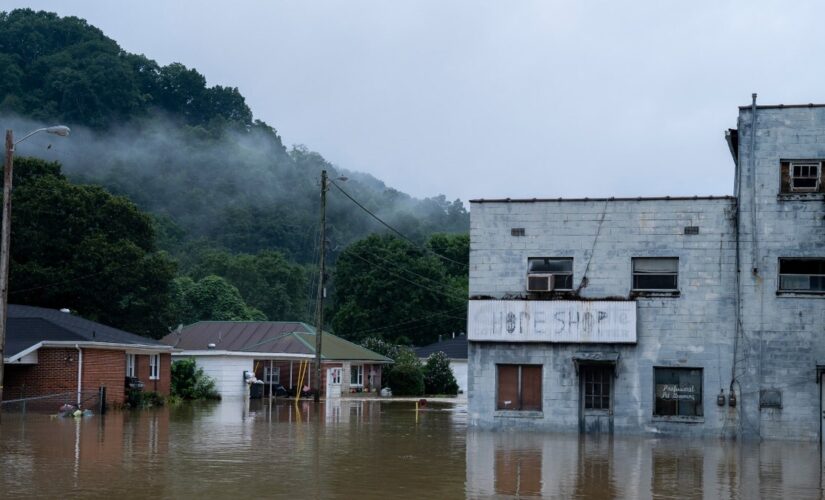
column 319, row 328
column 5, row 240
column 5, row 237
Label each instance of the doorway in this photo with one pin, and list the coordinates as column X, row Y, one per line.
column 333, row 382
column 596, row 398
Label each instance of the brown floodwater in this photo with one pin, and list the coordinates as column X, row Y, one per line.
column 373, row 449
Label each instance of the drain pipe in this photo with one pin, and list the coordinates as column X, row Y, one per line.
column 79, row 373
column 755, row 250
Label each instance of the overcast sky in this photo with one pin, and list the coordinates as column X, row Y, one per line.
column 494, row 99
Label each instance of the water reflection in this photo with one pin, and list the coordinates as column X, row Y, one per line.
column 572, row 466
column 372, row 449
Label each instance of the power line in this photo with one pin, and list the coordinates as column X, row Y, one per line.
column 396, row 231
column 426, row 319
column 433, row 290
column 406, row 270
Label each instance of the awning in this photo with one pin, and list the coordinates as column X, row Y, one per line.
column 595, row 358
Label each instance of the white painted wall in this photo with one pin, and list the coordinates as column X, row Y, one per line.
column 459, row 368
column 227, row 371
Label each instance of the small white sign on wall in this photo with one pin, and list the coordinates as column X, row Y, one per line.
column 571, row 321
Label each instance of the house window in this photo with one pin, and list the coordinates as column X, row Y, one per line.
column 154, row 366
column 801, row 176
column 272, row 376
column 802, row 275
column 560, row 267
column 356, row 377
column 518, row 387
column 130, row 365
column 678, row 392
column 655, row 273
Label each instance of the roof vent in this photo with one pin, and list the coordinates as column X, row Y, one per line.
column 65, row 310
column 210, row 345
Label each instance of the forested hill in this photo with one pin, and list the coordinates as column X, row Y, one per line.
column 192, row 155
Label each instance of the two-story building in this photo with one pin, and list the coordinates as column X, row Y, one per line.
column 684, row 315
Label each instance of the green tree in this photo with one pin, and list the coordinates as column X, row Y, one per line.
column 266, row 281
column 210, row 299
column 80, row 247
column 438, row 377
column 389, row 288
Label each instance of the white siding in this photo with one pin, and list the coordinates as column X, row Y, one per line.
column 227, row 372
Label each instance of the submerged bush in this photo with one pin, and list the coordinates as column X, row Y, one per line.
column 438, row 377
column 189, row 381
column 148, row 399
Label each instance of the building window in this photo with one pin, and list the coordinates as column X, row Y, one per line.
column 356, row 377
column 678, row 392
column 560, row 267
column 802, row 275
column 655, row 273
column 272, row 376
column 518, row 387
column 801, row 176
column 596, row 382
column 154, row 366
column 130, row 365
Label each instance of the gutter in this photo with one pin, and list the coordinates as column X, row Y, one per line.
column 241, row 354
column 135, row 348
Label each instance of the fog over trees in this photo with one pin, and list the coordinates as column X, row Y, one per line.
column 226, row 205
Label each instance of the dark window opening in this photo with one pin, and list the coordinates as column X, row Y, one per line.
column 802, row 275
column 655, row 273
column 560, row 267
column 517, row 231
column 519, row 387
column 678, row 392
column 596, row 380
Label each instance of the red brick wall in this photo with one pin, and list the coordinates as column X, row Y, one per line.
column 103, row 367
column 55, row 372
column 161, row 386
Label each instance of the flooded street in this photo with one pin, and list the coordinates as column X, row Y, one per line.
column 372, row 449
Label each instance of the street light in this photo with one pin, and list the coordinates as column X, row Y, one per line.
column 5, row 238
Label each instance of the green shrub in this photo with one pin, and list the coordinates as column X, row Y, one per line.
column 149, row 399
column 189, row 381
column 438, row 377
column 406, row 380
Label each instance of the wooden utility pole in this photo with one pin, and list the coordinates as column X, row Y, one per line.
column 5, row 244
column 319, row 328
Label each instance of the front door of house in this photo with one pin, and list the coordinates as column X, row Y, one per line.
column 596, row 398
column 333, row 382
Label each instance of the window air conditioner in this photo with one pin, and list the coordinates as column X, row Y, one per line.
column 537, row 282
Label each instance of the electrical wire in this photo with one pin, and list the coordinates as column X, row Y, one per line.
column 433, row 290
column 394, row 230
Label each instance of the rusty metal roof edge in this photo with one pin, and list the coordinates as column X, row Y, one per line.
column 638, row 198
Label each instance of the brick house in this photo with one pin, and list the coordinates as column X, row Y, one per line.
column 54, row 352
column 275, row 352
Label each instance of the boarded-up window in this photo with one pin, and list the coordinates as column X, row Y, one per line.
column 655, row 273
column 519, row 387
column 678, row 392
column 801, row 176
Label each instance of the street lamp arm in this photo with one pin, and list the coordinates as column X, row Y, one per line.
column 60, row 130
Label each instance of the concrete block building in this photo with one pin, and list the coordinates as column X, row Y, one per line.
column 681, row 315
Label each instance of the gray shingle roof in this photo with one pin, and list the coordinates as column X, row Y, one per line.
column 454, row 348
column 29, row 325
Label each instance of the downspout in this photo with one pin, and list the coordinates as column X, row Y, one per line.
column 79, row 373
column 755, row 251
